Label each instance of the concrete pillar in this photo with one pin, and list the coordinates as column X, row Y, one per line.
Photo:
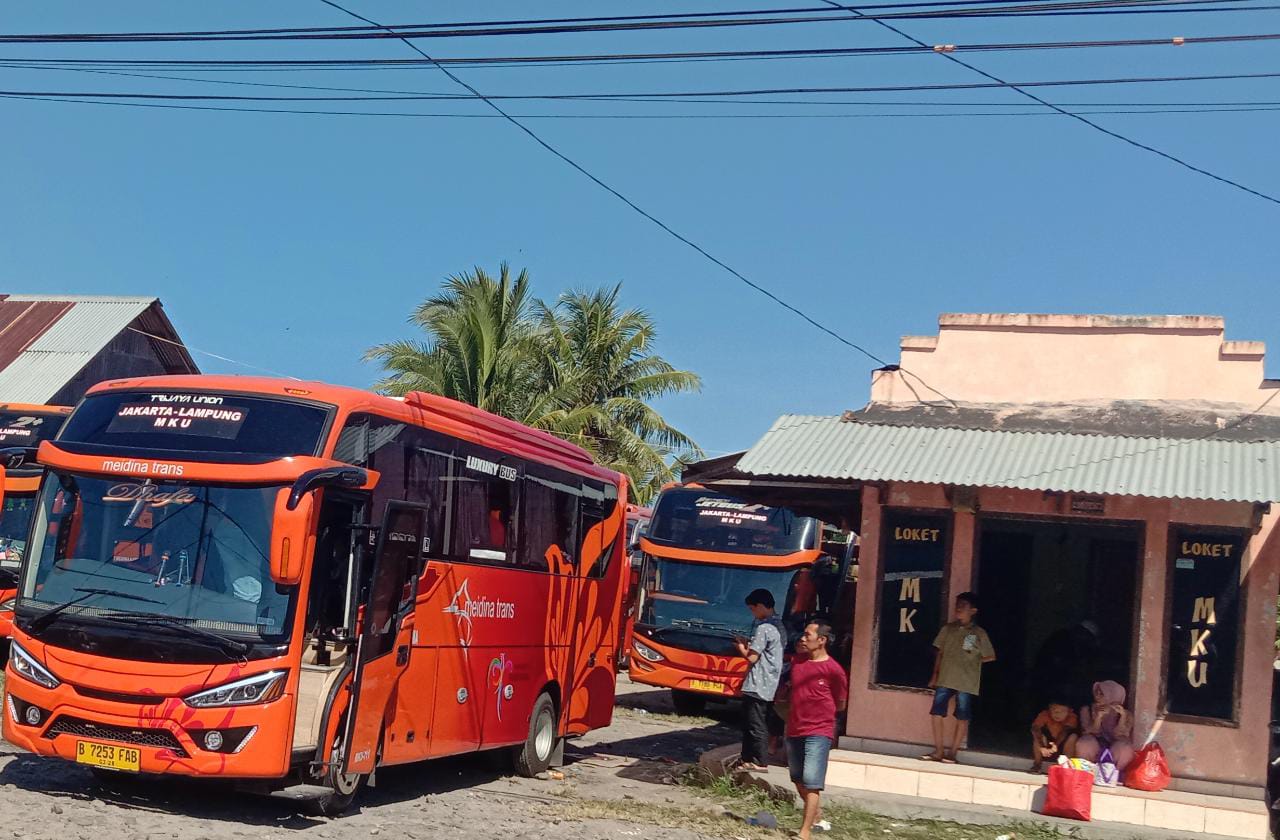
column 1149, row 630
column 865, row 607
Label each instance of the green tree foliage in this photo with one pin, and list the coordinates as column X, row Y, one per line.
column 583, row 368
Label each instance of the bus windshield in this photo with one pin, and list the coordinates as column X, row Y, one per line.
column 709, row 521
column 21, row 428
column 705, row 597
column 120, row 547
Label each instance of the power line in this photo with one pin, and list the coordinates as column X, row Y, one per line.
column 625, row 200
column 1190, row 108
column 209, row 354
column 477, row 29
column 1021, row 89
column 104, row 65
column 652, row 95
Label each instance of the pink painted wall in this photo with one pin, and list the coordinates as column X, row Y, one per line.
column 1078, row 359
column 1228, row 754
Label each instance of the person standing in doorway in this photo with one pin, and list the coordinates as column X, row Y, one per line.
column 962, row 648
column 763, row 652
column 819, row 689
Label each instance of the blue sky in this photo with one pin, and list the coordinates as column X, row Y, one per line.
column 295, row 242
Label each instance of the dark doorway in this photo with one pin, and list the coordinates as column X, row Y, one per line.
column 1058, row 604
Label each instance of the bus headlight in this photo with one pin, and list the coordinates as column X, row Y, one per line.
column 25, row 665
column 8, row 604
column 646, row 652
column 262, row 688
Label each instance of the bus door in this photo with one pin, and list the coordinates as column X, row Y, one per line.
column 386, row 638
column 598, row 629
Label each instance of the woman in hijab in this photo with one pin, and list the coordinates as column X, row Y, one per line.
column 1106, row 725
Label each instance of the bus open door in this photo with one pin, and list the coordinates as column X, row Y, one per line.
column 386, row 637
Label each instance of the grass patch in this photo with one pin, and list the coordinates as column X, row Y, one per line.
column 663, row 717
column 849, row 823
column 705, row 822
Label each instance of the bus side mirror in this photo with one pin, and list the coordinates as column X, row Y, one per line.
column 291, row 536
column 350, row 477
column 14, row 457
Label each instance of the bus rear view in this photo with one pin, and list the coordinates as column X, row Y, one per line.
column 703, row 554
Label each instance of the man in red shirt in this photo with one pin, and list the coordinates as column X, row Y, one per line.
column 819, row 687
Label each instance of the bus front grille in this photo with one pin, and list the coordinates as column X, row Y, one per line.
column 78, row 727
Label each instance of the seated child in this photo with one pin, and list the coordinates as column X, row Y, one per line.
column 1053, row 733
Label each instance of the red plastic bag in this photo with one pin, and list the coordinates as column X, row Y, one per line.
column 1070, row 793
column 1148, row 770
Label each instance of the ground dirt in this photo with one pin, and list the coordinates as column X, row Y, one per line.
column 629, row 780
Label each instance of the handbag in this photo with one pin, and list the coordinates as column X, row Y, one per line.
column 1105, row 772
column 1070, row 793
column 1149, row 770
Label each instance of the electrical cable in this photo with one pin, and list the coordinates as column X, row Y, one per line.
column 1021, row 89
column 418, row 31
column 648, row 96
column 1227, row 108
column 627, row 201
column 88, row 65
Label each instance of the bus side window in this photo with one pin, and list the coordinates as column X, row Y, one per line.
column 484, row 507
column 599, row 502
column 548, row 512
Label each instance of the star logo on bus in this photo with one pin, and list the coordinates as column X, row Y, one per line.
column 460, row 608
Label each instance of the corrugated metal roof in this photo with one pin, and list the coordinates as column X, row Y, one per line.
column 827, row 447
column 47, row 361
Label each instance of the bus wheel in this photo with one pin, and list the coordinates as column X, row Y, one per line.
column 687, row 703
column 535, row 755
column 343, row 787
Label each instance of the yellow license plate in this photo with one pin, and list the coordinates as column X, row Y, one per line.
column 707, row 685
column 108, row 755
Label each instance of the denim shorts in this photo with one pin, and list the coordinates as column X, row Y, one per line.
column 807, row 758
column 964, row 703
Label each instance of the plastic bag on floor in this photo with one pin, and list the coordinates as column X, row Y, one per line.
column 1070, row 793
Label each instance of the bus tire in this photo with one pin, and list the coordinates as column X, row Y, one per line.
column 534, row 756
column 343, row 787
column 687, row 703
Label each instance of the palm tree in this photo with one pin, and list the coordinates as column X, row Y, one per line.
column 480, row 346
column 604, row 375
column 582, row 369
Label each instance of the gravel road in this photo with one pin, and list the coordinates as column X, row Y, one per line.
column 465, row 798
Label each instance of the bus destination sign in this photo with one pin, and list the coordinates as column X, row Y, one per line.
column 201, row 415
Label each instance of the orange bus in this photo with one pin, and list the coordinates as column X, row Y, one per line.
column 703, row 553
column 637, row 523
column 22, row 427
column 297, row 583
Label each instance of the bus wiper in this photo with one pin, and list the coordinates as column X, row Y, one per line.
column 232, row 647
column 712, row 627
column 40, row 622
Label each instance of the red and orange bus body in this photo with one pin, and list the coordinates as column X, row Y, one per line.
column 294, row 582
column 703, row 554
column 22, row 428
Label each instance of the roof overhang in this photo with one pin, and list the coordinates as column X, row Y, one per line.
column 808, row 448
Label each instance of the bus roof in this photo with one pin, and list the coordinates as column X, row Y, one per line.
column 458, row 418
column 32, row 408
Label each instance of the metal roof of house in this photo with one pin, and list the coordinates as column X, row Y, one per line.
column 45, row 340
column 1183, row 468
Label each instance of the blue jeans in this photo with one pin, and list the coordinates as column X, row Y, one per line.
column 807, row 759
column 942, row 697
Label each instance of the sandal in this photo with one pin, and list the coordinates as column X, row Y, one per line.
column 949, row 759
column 753, row 768
column 932, row 757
